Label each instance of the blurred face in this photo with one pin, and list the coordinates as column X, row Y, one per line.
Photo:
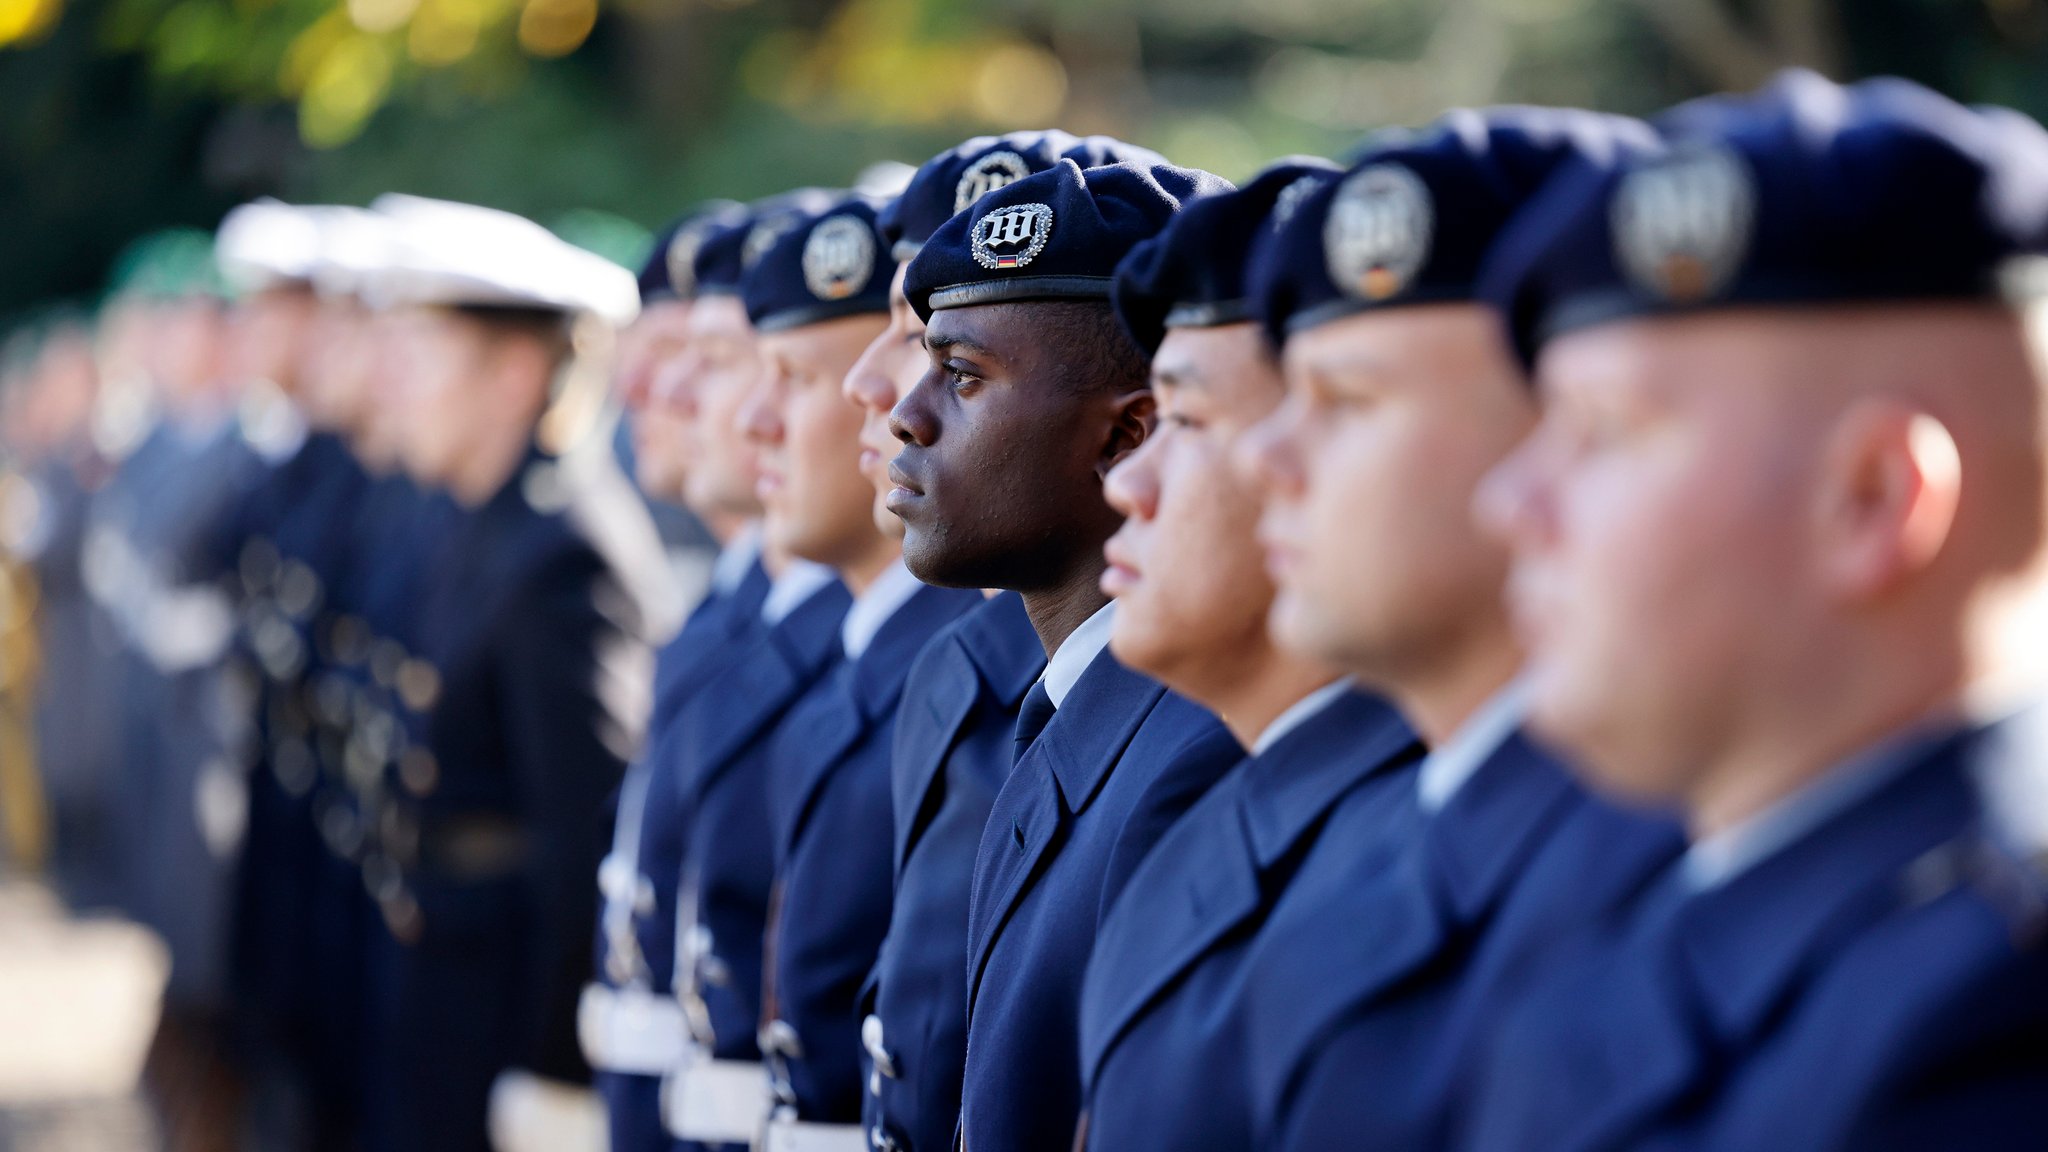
column 889, row 367
column 817, row 505
column 62, row 389
column 1368, row 470
column 459, row 382
column 1656, row 519
column 650, row 354
column 380, row 436
column 266, row 336
column 721, row 366
column 340, row 361
column 1185, row 567
column 998, row 478
column 184, row 351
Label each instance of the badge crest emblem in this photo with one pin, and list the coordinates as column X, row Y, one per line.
column 1378, row 233
column 1682, row 225
column 681, row 257
column 839, row 258
column 761, row 237
column 993, row 171
column 1010, row 238
column 1289, row 201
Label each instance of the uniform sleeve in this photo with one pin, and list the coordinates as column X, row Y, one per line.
column 569, row 739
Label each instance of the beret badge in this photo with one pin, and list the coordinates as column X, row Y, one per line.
column 993, row 171
column 1290, row 198
column 682, row 256
column 1682, row 224
column 839, row 257
column 1377, row 235
column 762, row 236
column 1011, row 237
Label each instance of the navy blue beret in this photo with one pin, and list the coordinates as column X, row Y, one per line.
column 1054, row 235
column 831, row 264
column 730, row 248
column 1193, row 274
column 957, row 177
column 1411, row 221
column 670, row 270
column 1807, row 192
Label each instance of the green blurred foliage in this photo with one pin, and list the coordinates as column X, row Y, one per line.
column 127, row 115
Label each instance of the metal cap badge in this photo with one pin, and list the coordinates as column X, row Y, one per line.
column 1011, row 237
column 1682, row 224
column 839, row 257
column 1377, row 235
column 993, row 171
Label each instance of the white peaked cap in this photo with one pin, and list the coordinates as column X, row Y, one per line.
column 355, row 246
column 266, row 243
column 446, row 253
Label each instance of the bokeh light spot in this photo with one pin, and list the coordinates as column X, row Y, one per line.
column 556, row 27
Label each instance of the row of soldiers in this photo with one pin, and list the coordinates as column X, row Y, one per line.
column 1527, row 639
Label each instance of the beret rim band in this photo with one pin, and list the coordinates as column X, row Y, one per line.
column 1613, row 305
column 1021, row 288
column 787, row 318
column 1344, row 306
column 1207, row 314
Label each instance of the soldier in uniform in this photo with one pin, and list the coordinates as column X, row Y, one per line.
column 632, row 1027
column 1033, row 393
column 73, row 757
column 287, row 556
column 1381, row 964
column 156, row 556
column 817, row 299
column 534, row 634
column 717, row 798
column 1165, row 988
column 959, row 705
column 1781, row 558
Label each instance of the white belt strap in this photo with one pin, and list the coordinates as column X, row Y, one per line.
column 631, row 1030
column 798, row 1136
column 716, row 1101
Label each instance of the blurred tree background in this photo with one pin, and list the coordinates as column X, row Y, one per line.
column 127, row 115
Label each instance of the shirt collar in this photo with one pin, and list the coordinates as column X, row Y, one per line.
column 1715, row 860
column 800, row 580
column 736, row 559
column 1064, row 669
column 1299, row 713
column 872, row 608
column 1451, row 764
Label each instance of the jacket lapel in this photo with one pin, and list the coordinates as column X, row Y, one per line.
column 830, row 729
column 1023, row 824
column 1195, row 887
column 735, row 709
column 1055, row 781
column 864, row 693
column 925, row 733
column 992, row 655
column 1718, row 969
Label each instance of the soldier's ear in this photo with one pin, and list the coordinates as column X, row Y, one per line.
column 1131, row 421
column 1891, row 484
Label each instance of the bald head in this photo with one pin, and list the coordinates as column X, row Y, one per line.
column 1749, row 542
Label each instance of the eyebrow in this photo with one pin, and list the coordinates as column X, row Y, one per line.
column 1184, row 379
column 961, row 344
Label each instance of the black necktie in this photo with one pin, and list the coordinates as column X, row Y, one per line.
column 1032, row 719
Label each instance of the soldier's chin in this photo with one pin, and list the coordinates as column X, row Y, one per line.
column 933, row 560
column 887, row 522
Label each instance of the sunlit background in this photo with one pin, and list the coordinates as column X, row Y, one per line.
column 125, row 115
